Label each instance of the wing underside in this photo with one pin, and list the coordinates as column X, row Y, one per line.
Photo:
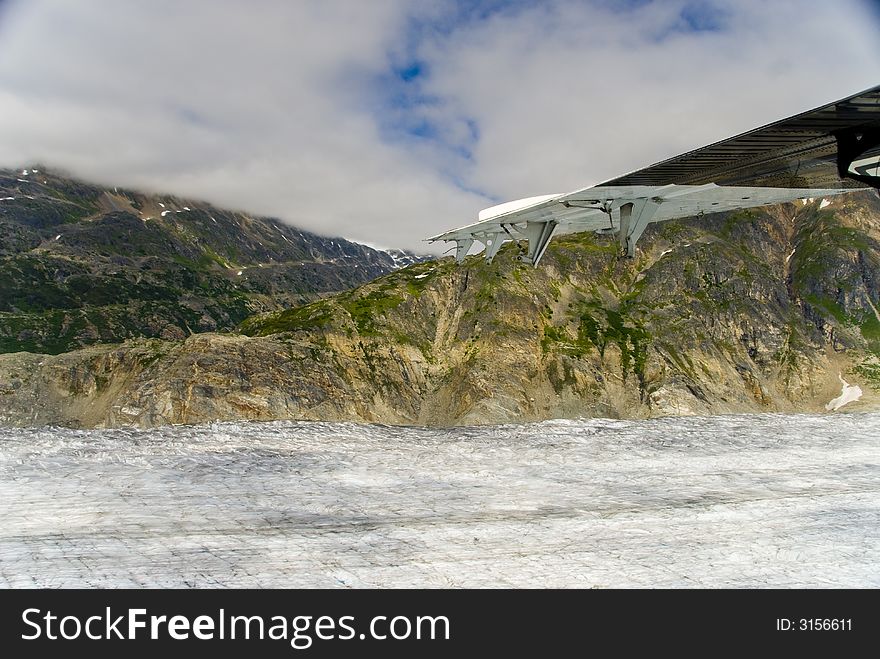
column 830, row 150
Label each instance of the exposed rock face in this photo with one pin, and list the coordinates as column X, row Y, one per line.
column 760, row 311
column 81, row 265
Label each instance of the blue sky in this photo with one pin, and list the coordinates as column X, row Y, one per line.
column 393, row 120
column 406, row 110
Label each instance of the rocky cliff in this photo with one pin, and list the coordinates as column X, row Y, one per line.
column 81, row 264
column 758, row 311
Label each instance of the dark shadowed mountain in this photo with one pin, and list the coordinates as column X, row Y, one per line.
column 82, row 264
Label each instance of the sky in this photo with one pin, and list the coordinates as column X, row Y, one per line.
column 392, row 120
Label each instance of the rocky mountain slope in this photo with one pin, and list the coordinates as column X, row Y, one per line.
column 80, row 264
column 757, row 311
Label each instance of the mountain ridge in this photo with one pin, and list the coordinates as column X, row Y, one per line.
column 83, row 264
column 756, row 311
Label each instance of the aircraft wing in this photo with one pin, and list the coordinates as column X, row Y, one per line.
column 826, row 151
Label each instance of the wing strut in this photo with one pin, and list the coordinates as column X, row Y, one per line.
column 462, row 245
column 492, row 241
column 634, row 217
column 538, row 234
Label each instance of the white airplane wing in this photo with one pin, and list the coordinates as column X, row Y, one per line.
column 830, row 150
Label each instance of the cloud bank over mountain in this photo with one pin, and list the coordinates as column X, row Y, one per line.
column 392, row 120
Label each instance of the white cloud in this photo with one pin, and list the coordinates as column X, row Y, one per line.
column 276, row 107
column 567, row 95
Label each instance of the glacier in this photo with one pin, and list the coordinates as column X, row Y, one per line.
column 742, row 501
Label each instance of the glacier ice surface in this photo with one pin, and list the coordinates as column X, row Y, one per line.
column 732, row 501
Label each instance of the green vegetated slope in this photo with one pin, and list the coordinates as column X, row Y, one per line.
column 743, row 310
column 81, row 264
